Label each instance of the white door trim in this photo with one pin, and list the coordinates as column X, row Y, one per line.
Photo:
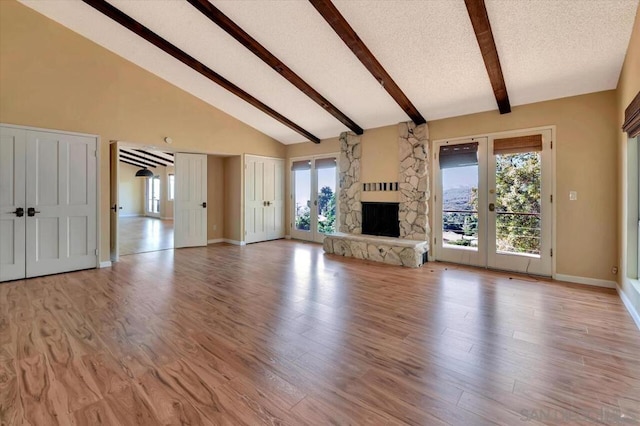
column 500, row 134
column 98, row 174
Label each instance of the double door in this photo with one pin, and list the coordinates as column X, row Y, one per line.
column 314, row 197
column 493, row 202
column 47, row 203
column 264, row 198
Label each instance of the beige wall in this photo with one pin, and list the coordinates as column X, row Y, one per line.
column 215, row 197
column 53, row 78
column 166, row 205
column 131, row 191
column 233, row 199
column 586, row 151
column 628, row 88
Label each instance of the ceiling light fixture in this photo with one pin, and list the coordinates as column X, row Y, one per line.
column 144, row 172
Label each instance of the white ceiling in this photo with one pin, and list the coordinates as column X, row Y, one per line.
column 548, row 50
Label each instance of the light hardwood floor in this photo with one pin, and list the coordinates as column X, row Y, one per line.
column 279, row 333
column 143, row 234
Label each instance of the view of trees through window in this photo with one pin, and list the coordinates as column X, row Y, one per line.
column 326, row 212
column 517, row 202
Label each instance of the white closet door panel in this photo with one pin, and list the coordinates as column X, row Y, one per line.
column 12, row 197
column 190, row 219
column 61, row 188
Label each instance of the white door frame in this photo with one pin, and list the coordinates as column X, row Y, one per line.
column 99, row 264
column 313, row 235
column 435, row 180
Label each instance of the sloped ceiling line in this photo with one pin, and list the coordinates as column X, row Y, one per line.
column 144, row 32
column 482, row 28
column 340, row 25
column 235, row 31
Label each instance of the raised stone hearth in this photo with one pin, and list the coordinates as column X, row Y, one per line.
column 393, row 251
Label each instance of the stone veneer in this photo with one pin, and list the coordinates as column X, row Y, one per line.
column 413, row 145
column 349, row 207
column 392, row 251
column 413, row 178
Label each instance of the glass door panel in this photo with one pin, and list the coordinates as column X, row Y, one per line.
column 302, row 204
column 326, row 184
column 153, row 196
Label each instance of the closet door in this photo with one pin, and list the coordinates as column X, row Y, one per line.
column 12, row 204
column 264, row 199
column 60, row 203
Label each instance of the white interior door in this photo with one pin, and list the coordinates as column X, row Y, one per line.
column 61, row 203
column 264, row 198
column 12, row 204
column 190, row 202
column 255, row 201
column 114, row 201
column 492, row 202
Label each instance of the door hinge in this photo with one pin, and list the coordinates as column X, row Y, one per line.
column 96, row 252
column 435, row 198
column 551, row 196
column 95, row 154
column 551, row 144
column 291, row 225
column 551, row 252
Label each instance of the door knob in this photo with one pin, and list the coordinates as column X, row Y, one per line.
column 19, row 212
column 204, row 205
column 116, row 208
column 31, row 212
column 492, row 207
column 268, row 203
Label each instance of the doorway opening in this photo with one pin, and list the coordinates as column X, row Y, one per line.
column 145, row 200
column 493, row 203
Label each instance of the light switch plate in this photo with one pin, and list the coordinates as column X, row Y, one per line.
column 573, row 195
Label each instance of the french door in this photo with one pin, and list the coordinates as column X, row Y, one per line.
column 314, row 197
column 152, row 204
column 48, row 205
column 264, row 198
column 493, row 202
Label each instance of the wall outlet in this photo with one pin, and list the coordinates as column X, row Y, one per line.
column 573, row 195
column 614, row 270
column 215, row 227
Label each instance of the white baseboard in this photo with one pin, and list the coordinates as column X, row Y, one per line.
column 237, row 243
column 627, row 304
column 584, row 280
column 215, row 241
column 106, row 264
column 130, row 215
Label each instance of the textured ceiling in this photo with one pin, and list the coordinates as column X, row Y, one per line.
column 548, row 50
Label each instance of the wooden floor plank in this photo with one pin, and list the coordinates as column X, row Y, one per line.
column 280, row 333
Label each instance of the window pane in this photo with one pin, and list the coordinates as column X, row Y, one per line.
column 518, row 201
column 460, row 207
column 327, row 199
column 172, row 180
column 302, row 199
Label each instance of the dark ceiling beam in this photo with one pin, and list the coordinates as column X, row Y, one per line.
column 141, row 157
column 167, row 161
column 340, row 25
column 131, row 163
column 231, row 28
column 153, row 38
column 482, row 27
column 125, row 156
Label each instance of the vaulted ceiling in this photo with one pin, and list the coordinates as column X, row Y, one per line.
column 547, row 50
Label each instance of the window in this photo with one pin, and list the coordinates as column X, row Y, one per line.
column 170, row 186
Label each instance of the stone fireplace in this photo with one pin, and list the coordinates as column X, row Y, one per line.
column 380, row 219
column 410, row 248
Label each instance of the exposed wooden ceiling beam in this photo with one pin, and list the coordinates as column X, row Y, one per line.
column 126, row 156
column 231, row 28
column 131, row 163
column 140, row 157
column 166, row 161
column 153, row 38
column 482, row 27
column 340, row 25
